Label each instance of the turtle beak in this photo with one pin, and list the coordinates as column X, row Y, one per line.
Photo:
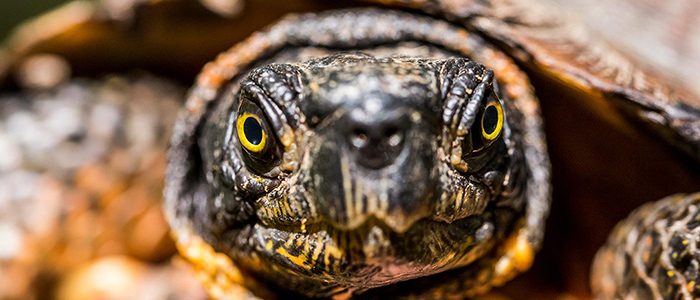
column 381, row 167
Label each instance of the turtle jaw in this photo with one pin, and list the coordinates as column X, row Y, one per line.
column 372, row 252
column 369, row 256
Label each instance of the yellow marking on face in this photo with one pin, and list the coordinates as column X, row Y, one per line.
column 332, row 251
column 313, row 86
column 458, row 199
column 288, row 242
column 670, row 273
column 306, row 249
column 326, row 262
column 456, row 155
column 296, row 260
column 358, row 197
column 432, row 248
column 684, row 242
column 340, row 293
column 278, row 210
column 384, row 194
column 445, row 260
column 371, row 202
column 317, row 250
column 287, row 139
column 287, row 209
column 268, row 245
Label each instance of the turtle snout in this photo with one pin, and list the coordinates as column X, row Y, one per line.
column 382, row 166
column 375, row 142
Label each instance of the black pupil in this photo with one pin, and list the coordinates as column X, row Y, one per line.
column 490, row 119
column 253, row 131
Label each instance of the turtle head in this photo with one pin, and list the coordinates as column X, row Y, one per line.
column 352, row 171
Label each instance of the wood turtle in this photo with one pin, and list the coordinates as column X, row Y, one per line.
column 396, row 148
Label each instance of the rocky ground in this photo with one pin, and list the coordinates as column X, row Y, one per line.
column 81, row 171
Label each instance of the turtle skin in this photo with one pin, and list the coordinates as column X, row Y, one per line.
column 653, row 253
column 537, row 42
column 598, row 74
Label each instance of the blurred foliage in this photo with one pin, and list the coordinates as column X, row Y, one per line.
column 13, row 12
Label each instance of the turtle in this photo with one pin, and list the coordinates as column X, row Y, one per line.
column 397, row 148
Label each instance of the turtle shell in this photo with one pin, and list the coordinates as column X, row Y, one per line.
column 617, row 134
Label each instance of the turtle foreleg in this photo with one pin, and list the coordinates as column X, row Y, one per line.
column 653, row 254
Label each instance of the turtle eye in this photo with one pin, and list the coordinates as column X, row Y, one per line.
column 488, row 127
column 251, row 133
column 492, row 120
column 255, row 138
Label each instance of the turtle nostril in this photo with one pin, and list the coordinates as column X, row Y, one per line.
column 359, row 138
column 375, row 145
column 394, row 136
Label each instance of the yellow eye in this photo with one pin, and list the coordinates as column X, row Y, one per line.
column 251, row 132
column 492, row 121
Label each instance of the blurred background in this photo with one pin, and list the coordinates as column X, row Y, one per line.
column 16, row 11
column 82, row 162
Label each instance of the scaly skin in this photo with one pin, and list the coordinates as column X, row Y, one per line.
column 653, row 253
column 479, row 215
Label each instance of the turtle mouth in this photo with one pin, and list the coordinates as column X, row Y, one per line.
column 371, row 254
column 374, row 242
